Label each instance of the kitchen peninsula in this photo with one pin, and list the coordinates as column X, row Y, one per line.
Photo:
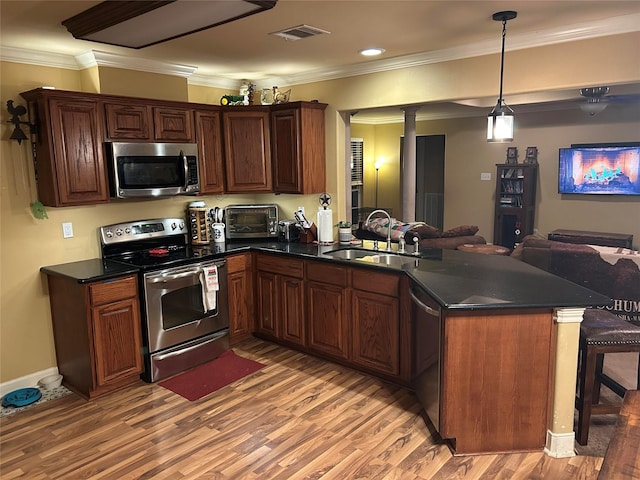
column 474, row 335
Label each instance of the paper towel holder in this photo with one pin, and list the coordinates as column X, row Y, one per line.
column 325, row 220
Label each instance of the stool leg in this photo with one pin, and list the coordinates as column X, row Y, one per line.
column 597, row 381
column 584, row 400
column 638, row 370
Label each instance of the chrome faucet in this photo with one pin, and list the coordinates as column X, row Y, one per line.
column 366, row 222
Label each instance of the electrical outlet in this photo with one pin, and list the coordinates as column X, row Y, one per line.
column 485, row 176
column 67, row 230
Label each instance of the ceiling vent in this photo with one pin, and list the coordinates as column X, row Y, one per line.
column 299, row 32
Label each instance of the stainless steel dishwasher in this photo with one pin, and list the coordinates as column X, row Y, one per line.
column 426, row 315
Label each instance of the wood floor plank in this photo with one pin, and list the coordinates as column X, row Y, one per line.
column 300, row 417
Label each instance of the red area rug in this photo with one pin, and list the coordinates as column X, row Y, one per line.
column 211, row 376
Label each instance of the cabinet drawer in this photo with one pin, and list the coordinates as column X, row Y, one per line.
column 111, row 291
column 327, row 273
column 238, row 263
column 371, row 281
column 283, row 266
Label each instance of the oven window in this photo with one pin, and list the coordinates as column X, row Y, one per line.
column 249, row 222
column 183, row 306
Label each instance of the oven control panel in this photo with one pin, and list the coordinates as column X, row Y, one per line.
column 141, row 230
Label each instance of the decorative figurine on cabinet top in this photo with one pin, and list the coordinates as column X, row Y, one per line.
column 512, row 155
column 532, row 155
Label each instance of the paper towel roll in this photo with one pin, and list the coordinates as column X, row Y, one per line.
column 325, row 226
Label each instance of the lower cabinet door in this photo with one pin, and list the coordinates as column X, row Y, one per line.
column 117, row 341
column 328, row 318
column 291, row 309
column 376, row 332
column 267, row 301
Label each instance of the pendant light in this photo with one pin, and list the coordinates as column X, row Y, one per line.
column 500, row 120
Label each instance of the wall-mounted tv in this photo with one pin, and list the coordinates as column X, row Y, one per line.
column 612, row 169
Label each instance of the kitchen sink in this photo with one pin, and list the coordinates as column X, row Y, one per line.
column 370, row 256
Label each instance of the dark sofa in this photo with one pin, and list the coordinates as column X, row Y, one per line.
column 428, row 236
column 611, row 271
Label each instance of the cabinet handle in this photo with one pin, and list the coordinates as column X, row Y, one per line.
column 186, row 169
column 430, row 310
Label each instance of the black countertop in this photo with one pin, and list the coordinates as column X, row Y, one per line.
column 456, row 280
column 93, row 270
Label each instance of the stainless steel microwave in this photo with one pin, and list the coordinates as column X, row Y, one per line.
column 251, row 221
column 152, row 169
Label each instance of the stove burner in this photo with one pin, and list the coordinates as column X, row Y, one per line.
column 159, row 252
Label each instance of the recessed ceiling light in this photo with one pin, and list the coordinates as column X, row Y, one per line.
column 371, row 52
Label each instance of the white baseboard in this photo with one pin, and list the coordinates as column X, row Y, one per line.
column 560, row 445
column 30, row 380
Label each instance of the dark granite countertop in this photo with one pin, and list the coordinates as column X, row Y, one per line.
column 456, row 280
column 92, row 270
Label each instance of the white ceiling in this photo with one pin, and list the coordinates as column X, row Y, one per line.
column 409, row 30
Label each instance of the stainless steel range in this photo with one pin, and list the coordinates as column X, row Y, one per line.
column 183, row 293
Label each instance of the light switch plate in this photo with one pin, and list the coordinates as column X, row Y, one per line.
column 67, row 230
column 485, row 176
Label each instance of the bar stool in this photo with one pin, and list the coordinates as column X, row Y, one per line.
column 600, row 332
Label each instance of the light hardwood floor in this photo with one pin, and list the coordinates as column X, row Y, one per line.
column 298, row 418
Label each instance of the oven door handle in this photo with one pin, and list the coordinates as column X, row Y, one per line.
column 165, row 277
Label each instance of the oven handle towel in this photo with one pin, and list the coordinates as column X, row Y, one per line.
column 210, row 287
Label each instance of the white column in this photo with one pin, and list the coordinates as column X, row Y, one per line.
column 560, row 436
column 409, row 166
column 347, row 164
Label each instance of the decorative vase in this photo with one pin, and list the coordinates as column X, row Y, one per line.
column 344, row 235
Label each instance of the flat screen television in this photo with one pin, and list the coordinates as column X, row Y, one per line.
column 610, row 169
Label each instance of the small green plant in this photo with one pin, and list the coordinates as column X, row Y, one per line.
column 343, row 224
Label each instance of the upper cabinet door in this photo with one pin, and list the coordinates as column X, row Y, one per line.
column 128, row 121
column 298, row 147
column 72, row 172
column 210, row 152
column 131, row 121
column 173, row 124
column 247, row 150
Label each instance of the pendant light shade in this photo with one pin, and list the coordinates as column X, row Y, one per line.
column 500, row 122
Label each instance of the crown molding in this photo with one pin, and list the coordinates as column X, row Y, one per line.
column 94, row 58
column 607, row 27
column 217, row 82
column 37, row 57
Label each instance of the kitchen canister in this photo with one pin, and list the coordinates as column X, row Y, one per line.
column 218, row 232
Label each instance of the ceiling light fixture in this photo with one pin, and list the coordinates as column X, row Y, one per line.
column 137, row 24
column 500, row 120
column 372, row 52
column 593, row 104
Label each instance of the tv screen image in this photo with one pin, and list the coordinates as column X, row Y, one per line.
column 599, row 170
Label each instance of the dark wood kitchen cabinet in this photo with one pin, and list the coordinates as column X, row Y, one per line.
column 298, row 147
column 69, row 159
column 375, row 317
column 328, row 308
column 247, row 151
column 240, row 287
column 211, row 162
column 147, row 122
column 97, row 333
column 280, row 302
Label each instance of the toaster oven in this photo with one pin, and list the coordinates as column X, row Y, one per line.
column 251, row 221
